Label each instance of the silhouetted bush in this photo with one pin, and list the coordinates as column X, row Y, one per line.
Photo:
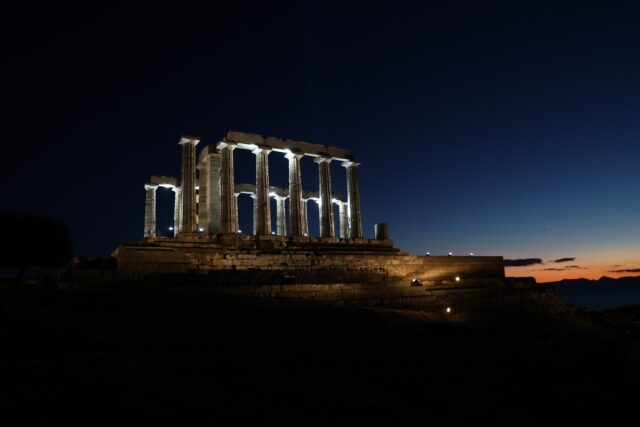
column 33, row 241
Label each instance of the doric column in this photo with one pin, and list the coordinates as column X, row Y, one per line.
column 203, row 196
column 189, row 183
column 344, row 220
column 262, row 191
column 326, row 209
column 281, row 224
column 150, row 210
column 355, row 218
column 305, row 218
column 214, row 163
column 227, row 190
column 295, row 194
column 236, row 209
column 255, row 212
column 177, row 210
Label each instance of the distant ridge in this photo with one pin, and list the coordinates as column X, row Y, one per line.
column 603, row 293
column 604, row 280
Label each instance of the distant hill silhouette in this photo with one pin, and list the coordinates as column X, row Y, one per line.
column 603, row 293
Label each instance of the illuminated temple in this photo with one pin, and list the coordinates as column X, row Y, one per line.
column 208, row 203
column 208, row 244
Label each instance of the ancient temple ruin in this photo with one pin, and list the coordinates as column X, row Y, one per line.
column 208, row 243
column 208, row 203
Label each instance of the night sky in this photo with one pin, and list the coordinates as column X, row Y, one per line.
column 498, row 128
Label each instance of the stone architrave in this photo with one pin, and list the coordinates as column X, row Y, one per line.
column 295, row 194
column 228, row 222
column 189, row 183
column 150, row 210
column 326, row 208
column 353, row 197
column 262, row 191
column 344, row 220
column 177, row 210
column 281, row 223
column 305, row 218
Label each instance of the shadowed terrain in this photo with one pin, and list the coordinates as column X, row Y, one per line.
column 162, row 354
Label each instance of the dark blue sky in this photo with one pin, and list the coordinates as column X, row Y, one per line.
column 509, row 128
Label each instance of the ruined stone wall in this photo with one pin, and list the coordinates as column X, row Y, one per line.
column 305, row 266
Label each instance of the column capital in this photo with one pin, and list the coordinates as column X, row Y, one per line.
column 350, row 163
column 293, row 155
column 150, row 186
column 186, row 139
column 278, row 197
column 227, row 145
column 322, row 159
column 261, row 150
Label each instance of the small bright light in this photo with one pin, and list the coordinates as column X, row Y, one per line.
column 273, row 232
column 471, row 254
column 457, row 278
column 201, row 229
column 305, row 234
column 428, row 253
column 450, row 253
column 448, row 310
column 170, row 228
column 239, row 231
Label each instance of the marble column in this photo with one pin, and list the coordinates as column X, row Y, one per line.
column 203, row 196
column 177, row 210
column 228, row 222
column 326, row 208
column 295, row 194
column 255, row 212
column 214, row 214
column 281, row 220
column 236, row 209
column 305, row 218
column 188, row 183
column 344, row 220
column 150, row 210
column 353, row 196
column 262, row 191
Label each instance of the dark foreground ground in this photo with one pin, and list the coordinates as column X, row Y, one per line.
column 124, row 355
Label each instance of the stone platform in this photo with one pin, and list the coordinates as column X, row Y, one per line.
column 272, row 260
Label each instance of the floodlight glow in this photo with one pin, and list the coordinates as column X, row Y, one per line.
column 201, row 229
column 428, row 253
column 450, row 253
column 457, row 278
column 448, row 310
column 273, row 232
column 170, row 228
column 239, row 231
column 471, row 254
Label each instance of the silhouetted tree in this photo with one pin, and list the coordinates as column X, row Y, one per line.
column 33, row 241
